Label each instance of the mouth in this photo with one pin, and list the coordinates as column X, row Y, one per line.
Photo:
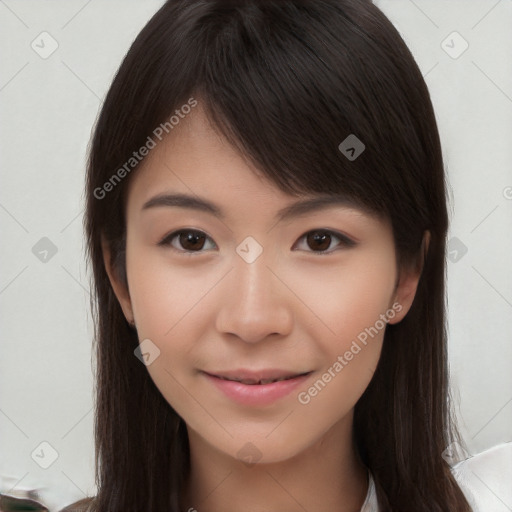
column 256, row 382
column 259, row 378
column 257, row 389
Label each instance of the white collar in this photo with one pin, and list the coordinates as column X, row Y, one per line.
column 483, row 478
column 370, row 503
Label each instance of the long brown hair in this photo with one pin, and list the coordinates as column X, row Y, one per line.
column 285, row 81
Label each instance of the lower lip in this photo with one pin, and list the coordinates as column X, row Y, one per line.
column 256, row 394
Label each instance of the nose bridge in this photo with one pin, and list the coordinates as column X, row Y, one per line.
column 252, row 273
column 254, row 284
column 255, row 304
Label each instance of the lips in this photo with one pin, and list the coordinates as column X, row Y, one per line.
column 257, row 388
column 253, row 382
column 253, row 378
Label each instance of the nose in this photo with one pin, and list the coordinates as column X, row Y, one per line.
column 255, row 302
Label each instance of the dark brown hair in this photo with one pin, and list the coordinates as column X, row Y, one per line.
column 285, row 81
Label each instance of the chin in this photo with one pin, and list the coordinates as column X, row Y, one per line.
column 261, row 448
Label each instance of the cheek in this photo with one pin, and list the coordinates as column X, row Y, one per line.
column 343, row 302
column 352, row 311
column 357, row 314
column 165, row 297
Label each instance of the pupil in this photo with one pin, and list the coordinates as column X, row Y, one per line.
column 191, row 240
column 323, row 238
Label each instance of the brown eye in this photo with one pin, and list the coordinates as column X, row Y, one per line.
column 319, row 241
column 189, row 240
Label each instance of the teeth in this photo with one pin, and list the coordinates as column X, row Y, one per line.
column 248, row 381
column 252, row 382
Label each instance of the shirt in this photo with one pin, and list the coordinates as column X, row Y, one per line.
column 485, row 480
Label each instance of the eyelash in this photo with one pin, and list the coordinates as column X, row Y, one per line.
column 166, row 241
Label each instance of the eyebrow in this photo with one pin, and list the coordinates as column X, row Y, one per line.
column 294, row 210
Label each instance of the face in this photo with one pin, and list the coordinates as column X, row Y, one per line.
column 229, row 301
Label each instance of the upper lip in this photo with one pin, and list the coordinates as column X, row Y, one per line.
column 257, row 375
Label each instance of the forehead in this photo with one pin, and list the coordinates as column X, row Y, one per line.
column 195, row 167
column 195, row 154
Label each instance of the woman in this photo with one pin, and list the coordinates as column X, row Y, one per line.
column 266, row 222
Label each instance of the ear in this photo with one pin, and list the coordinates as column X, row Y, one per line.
column 119, row 287
column 408, row 280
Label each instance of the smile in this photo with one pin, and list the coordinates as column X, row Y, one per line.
column 253, row 382
column 256, row 388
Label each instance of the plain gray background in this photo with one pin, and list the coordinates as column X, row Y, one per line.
column 49, row 103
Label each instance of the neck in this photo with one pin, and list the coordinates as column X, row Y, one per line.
column 327, row 475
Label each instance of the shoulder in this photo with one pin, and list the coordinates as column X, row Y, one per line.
column 485, row 478
column 83, row 505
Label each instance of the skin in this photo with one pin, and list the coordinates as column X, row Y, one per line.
column 292, row 308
